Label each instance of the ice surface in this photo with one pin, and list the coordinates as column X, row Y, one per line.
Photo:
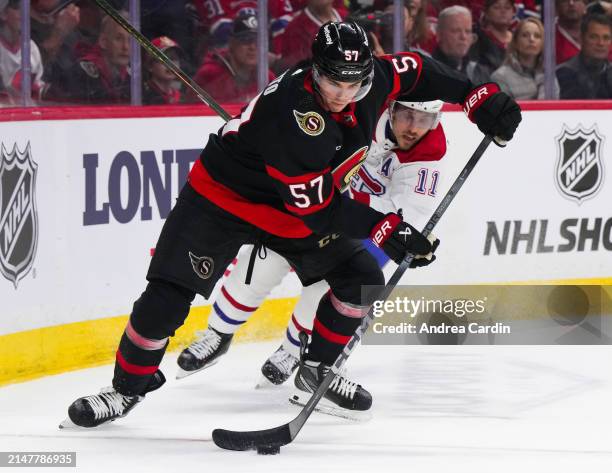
column 436, row 409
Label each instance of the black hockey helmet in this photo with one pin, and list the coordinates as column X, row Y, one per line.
column 341, row 51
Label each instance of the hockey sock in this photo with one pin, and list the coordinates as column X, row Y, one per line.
column 228, row 313
column 303, row 316
column 291, row 343
column 137, row 359
column 333, row 327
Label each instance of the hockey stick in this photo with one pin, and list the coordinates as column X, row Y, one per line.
column 161, row 57
column 270, row 440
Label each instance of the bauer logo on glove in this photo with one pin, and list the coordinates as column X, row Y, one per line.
column 397, row 238
column 494, row 112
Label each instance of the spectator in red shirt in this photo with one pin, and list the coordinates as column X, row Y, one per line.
column 295, row 43
column 160, row 86
column 230, row 76
column 216, row 16
column 567, row 34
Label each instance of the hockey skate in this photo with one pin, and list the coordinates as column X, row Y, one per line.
column 278, row 368
column 344, row 398
column 106, row 406
column 204, row 352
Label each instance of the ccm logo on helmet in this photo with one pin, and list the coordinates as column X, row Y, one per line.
column 350, row 73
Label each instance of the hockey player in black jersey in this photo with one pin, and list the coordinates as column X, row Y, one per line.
column 273, row 177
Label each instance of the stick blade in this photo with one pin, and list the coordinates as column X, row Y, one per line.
column 233, row 440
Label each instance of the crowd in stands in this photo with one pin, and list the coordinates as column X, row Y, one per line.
column 81, row 56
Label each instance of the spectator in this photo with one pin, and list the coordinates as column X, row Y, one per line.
column 10, row 55
column 494, row 34
column 102, row 75
column 526, row 8
column 56, row 33
column 455, row 37
column 294, row 44
column 522, row 74
column 90, row 20
column 601, row 7
column 588, row 75
column 52, row 29
column 567, row 34
column 216, row 16
column 231, row 76
column 382, row 35
column 160, row 86
column 475, row 6
column 167, row 18
column 422, row 35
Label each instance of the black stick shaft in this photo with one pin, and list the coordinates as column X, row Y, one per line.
column 161, row 57
column 296, row 425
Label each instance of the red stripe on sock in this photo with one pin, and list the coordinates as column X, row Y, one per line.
column 235, row 303
column 328, row 335
column 134, row 369
column 298, row 326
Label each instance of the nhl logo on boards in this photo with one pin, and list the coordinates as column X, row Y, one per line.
column 202, row 265
column 311, row 123
column 18, row 215
column 579, row 170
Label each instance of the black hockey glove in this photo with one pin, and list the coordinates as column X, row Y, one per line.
column 494, row 112
column 396, row 238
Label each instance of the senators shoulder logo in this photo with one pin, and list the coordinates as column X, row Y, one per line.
column 311, row 123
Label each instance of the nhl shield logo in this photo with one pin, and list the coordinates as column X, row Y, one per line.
column 18, row 216
column 579, row 172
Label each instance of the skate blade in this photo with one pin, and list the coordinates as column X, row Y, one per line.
column 300, row 398
column 68, row 424
column 265, row 383
column 181, row 373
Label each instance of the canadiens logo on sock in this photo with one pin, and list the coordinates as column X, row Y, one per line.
column 202, row 265
column 311, row 123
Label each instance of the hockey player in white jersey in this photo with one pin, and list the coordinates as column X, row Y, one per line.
column 402, row 171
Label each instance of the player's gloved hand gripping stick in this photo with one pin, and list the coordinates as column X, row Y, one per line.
column 270, row 440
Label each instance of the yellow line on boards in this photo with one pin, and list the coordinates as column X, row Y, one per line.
column 51, row 350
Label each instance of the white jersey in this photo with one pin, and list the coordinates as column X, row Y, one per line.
column 392, row 179
column 389, row 180
column 10, row 69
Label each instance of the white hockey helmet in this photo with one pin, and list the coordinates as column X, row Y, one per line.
column 430, row 112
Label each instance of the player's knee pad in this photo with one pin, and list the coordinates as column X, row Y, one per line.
column 348, row 282
column 161, row 309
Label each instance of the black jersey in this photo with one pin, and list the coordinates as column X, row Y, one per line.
column 282, row 164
